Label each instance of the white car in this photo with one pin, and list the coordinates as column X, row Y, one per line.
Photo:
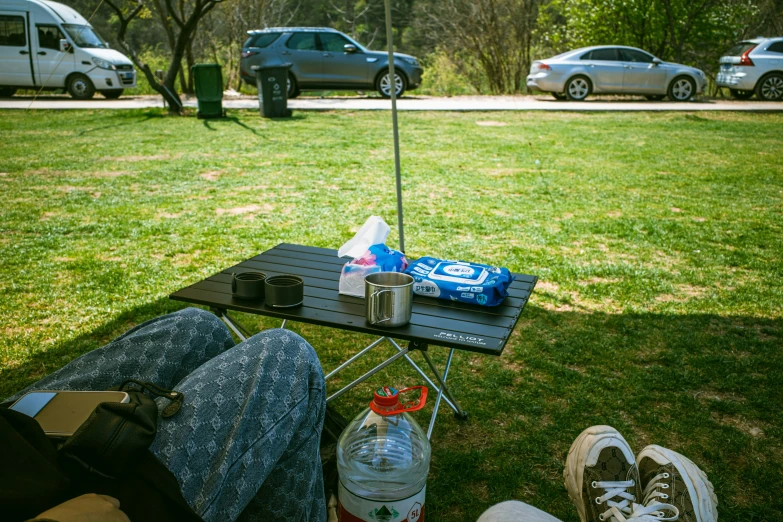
column 754, row 67
column 47, row 45
column 614, row 70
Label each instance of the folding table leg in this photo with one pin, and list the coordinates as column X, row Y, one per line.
column 426, row 378
column 367, row 375
column 353, row 358
column 234, row 327
column 459, row 412
column 440, row 394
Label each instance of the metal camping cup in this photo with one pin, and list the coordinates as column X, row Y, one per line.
column 388, row 298
column 248, row 285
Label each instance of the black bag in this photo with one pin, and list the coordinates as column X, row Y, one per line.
column 117, row 435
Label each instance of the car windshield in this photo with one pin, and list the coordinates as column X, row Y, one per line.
column 85, row 36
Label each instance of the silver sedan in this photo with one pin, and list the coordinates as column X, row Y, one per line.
column 614, row 70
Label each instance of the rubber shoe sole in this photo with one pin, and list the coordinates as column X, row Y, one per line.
column 699, row 487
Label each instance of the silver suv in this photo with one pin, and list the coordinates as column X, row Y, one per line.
column 753, row 67
column 324, row 58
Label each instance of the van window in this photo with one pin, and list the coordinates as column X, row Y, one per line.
column 49, row 37
column 262, row 40
column 302, row 42
column 85, row 36
column 12, row 33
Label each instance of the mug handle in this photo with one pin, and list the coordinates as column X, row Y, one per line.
column 233, row 283
column 375, row 304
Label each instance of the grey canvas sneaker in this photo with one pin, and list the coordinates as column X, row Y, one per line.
column 601, row 475
column 672, row 478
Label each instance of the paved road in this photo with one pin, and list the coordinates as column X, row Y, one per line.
column 409, row 103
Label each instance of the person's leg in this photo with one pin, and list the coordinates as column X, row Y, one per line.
column 161, row 351
column 515, row 511
column 250, row 427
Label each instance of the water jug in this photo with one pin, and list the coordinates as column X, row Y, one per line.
column 383, row 458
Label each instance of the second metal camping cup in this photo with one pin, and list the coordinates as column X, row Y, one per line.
column 284, row 291
column 388, row 298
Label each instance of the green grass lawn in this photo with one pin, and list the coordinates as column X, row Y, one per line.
column 656, row 237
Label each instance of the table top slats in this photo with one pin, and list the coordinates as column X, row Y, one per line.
column 476, row 342
column 509, row 307
column 222, row 283
column 433, row 321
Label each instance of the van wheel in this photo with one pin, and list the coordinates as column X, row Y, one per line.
column 80, row 87
column 7, row 92
column 113, row 94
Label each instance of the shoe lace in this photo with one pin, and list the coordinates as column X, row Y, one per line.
column 620, row 508
column 651, row 510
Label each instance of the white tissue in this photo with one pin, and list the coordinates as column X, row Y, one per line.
column 373, row 232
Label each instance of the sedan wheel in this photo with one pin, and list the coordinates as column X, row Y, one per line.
column 682, row 89
column 770, row 88
column 559, row 96
column 384, row 85
column 578, row 88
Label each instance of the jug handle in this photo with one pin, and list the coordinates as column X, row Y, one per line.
column 417, row 405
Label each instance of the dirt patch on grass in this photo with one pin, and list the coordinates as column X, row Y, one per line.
column 150, row 157
column 168, row 215
column 711, row 395
column 249, row 209
column 490, row 123
column 738, row 422
column 599, row 281
column 212, row 175
column 109, row 174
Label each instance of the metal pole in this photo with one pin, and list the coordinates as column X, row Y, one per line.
column 352, row 359
column 369, row 374
column 393, row 86
column 234, row 328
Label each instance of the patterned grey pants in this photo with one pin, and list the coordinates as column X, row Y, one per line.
column 248, row 433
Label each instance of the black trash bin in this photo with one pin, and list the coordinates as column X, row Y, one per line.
column 272, row 83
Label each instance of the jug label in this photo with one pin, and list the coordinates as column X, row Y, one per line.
column 353, row 508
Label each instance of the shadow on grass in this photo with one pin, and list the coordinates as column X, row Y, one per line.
column 149, row 115
column 235, row 120
column 705, row 385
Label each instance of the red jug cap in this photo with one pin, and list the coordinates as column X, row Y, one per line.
column 387, row 400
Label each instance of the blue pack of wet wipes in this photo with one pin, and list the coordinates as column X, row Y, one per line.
column 460, row 281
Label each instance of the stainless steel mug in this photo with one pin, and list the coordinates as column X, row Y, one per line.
column 388, row 298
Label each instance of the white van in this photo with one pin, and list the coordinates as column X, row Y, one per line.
column 47, row 45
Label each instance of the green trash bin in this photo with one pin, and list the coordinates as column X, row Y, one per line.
column 272, row 83
column 209, row 90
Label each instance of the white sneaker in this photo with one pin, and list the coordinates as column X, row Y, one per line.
column 674, row 479
column 601, row 476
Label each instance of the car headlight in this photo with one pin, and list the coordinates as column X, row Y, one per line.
column 412, row 61
column 104, row 64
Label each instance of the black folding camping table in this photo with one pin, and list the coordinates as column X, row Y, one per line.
column 454, row 325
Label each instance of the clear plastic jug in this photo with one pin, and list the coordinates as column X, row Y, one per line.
column 383, row 458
